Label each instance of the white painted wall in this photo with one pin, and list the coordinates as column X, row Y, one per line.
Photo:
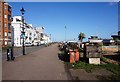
column 17, row 26
column 30, row 32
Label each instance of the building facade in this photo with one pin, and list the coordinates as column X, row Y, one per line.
column 33, row 36
column 17, row 26
column 5, row 24
column 40, row 34
column 43, row 38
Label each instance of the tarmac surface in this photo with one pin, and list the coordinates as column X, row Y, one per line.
column 42, row 64
column 18, row 51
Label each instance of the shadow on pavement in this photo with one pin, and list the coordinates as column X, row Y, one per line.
column 67, row 67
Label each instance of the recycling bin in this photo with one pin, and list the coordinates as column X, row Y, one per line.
column 76, row 55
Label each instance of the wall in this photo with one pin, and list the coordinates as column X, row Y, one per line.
column 110, row 48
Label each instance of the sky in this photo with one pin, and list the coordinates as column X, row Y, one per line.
column 91, row 18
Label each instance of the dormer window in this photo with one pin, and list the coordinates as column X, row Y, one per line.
column 18, row 20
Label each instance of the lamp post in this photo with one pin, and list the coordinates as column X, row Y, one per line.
column 50, row 37
column 23, row 32
column 65, row 33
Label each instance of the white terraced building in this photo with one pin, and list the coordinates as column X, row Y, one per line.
column 32, row 35
column 43, row 37
column 17, row 26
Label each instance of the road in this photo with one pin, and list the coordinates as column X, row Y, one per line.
column 42, row 64
column 18, row 51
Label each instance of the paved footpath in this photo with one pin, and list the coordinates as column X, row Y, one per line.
column 43, row 64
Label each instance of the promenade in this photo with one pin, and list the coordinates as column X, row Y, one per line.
column 42, row 64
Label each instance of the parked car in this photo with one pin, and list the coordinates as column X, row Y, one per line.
column 28, row 44
column 35, row 44
column 42, row 42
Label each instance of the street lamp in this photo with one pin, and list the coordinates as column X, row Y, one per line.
column 50, row 37
column 65, row 33
column 23, row 32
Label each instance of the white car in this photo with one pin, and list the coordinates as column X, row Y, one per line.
column 28, row 44
column 36, row 44
column 42, row 42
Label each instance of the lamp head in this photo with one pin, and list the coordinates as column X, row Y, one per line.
column 22, row 10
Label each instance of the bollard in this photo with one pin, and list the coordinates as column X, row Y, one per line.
column 12, row 57
column 8, row 55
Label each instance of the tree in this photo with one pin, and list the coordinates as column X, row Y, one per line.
column 81, row 36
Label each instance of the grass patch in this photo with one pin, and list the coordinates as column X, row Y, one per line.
column 86, row 66
column 104, row 59
column 113, row 68
column 90, row 67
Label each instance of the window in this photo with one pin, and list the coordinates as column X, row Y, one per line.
column 18, row 20
column 5, row 7
column 9, row 43
column 30, row 33
column 9, row 26
column 5, row 33
column 5, row 42
column 9, row 17
column 9, row 34
column 9, row 8
column 5, row 16
column 41, row 34
column 5, row 25
column 29, row 38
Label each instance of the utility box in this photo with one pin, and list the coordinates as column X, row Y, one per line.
column 94, row 53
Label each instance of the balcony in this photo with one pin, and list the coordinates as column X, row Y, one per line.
column 9, row 9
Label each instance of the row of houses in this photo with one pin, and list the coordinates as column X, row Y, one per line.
column 33, row 35
column 11, row 29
